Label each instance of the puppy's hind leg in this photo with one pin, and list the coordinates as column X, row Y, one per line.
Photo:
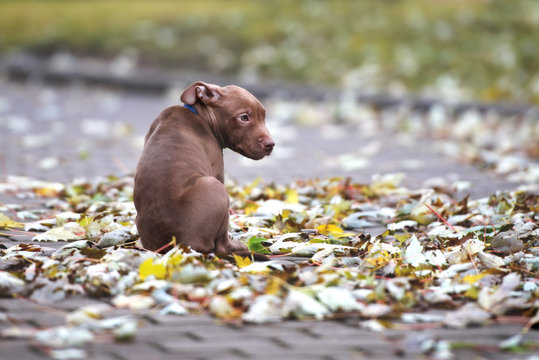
column 204, row 217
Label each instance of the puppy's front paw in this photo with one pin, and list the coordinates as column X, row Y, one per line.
column 237, row 246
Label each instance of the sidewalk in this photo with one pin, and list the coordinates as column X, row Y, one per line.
column 61, row 133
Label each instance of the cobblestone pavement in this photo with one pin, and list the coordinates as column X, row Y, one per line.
column 68, row 132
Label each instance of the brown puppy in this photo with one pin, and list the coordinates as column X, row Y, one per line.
column 179, row 191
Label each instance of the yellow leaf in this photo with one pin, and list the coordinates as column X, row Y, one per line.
column 85, row 220
column 148, row 268
column 253, row 185
column 401, row 238
column 270, row 192
column 291, row 196
column 380, row 260
column 328, row 229
column 273, row 286
column 242, row 261
column 333, row 230
column 472, row 279
column 472, row 292
column 175, row 259
column 46, row 191
column 6, row 223
column 250, row 208
column 342, row 208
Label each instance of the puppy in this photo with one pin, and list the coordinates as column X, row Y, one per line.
column 179, row 192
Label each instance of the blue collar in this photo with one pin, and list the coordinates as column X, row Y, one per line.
column 191, row 108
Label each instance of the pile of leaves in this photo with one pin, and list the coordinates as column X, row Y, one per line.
column 377, row 251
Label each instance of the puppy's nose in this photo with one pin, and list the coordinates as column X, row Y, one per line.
column 268, row 145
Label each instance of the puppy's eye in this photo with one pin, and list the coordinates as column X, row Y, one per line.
column 244, row 117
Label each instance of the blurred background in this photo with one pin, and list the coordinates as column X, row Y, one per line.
column 354, row 70
column 478, row 49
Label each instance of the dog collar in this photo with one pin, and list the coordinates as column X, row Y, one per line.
column 191, row 108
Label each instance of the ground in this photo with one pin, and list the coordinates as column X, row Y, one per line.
column 63, row 133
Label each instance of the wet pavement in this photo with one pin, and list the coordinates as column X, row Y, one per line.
column 62, row 133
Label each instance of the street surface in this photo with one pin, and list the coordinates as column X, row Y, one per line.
column 63, row 133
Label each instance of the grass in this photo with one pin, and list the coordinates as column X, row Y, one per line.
column 477, row 49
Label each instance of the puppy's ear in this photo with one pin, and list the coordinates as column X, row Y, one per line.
column 201, row 92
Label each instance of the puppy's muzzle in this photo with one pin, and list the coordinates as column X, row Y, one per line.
column 268, row 145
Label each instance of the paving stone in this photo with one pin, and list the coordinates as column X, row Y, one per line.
column 486, row 335
column 18, row 350
column 250, row 350
column 223, row 345
column 76, row 301
column 164, row 332
column 40, row 319
column 192, row 320
column 274, row 332
column 492, row 355
column 331, row 356
column 16, row 305
column 497, row 332
column 366, row 344
column 89, row 355
column 322, row 328
column 128, row 351
column 282, row 328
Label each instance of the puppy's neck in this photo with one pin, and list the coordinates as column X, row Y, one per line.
column 215, row 126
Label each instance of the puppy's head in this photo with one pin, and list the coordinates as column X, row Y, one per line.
column 235, row 115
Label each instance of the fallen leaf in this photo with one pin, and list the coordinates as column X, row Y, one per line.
column 6, row 223
column 255, row 245
column 241, row 261
column 149, row 268
column 413, row 254
column 266, row 308
column 68, row 232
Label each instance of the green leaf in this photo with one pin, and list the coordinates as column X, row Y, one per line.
column 255, row 245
